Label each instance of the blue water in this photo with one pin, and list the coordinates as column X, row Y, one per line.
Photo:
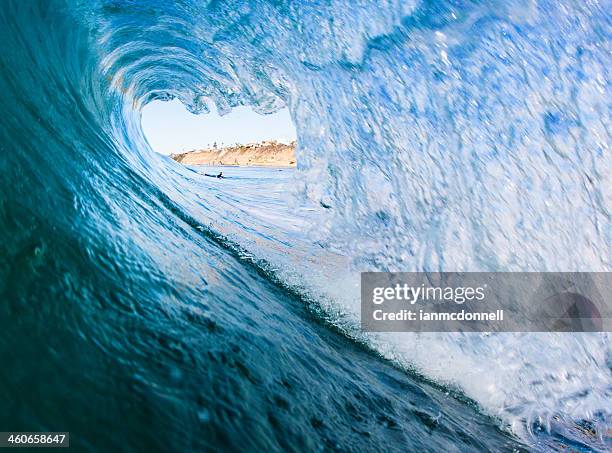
column 145, row 306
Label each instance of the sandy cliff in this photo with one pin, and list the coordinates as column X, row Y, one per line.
column 264, row 154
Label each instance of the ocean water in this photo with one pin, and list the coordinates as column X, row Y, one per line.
column 146, row 306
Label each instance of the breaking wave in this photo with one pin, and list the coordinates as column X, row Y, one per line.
column 433, row 135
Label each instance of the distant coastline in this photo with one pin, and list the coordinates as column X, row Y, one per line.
column 263, row 154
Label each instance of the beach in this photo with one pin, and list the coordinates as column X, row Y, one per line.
column 263, row 154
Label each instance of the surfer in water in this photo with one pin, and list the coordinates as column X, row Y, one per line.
column 220, row 175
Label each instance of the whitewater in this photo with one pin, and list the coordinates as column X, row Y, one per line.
column 432, row 136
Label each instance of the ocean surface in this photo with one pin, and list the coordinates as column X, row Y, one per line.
column 145, row 306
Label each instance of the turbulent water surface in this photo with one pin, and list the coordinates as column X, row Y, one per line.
column 146, row 306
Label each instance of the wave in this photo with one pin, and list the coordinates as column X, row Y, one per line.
column 432, row 136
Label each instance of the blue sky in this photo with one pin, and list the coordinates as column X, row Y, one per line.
column 170, row 128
